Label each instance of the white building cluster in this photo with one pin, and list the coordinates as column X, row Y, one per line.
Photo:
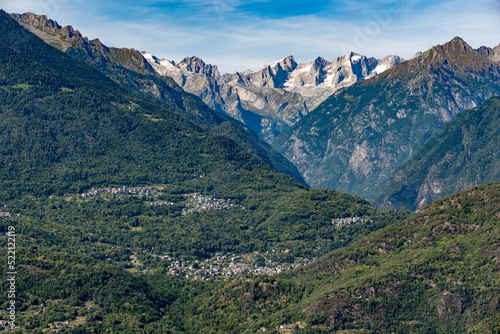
column 350, row 220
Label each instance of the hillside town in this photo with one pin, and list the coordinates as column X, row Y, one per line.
column 137, row 191
column 4, row 214
column 194, row 202
column 350, row 220
column 161, row 203
column 227, row 265
column 198, row 202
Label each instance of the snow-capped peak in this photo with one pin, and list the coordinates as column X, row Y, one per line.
column 273, row 64
column 355, row 57
column 147, row 55
column 287, row 63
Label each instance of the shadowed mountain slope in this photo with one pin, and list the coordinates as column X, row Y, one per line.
column 463, row 154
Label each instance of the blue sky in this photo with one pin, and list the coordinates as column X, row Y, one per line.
column 238, row 35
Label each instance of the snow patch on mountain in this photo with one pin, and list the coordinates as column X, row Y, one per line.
column 380, row 68
column 273, row 64
column 356, row 58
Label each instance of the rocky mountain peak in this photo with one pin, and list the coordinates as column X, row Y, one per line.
column 457, row 46
column 496, row 49
column 456, row 53
column 355, row 57
column 197, row 65
column 286, row 64
column 41, row 22
column 320, row 62
column 275, row 74
column 98, row 44
column 492, row 54
column 149, row 56
column 161, row 66
column 392, row 60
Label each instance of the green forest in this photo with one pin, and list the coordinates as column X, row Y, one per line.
column 100, row 263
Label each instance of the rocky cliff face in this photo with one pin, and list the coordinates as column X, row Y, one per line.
column 358, row 137
column 66, row 36
column 276, row 96
column 69, row 40
column 461, row 155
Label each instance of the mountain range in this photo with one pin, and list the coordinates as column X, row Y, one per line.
column 267, row 101
column 138, row 209
column 129, row 69
column 282, row 103
column 355, row 140
column 276, row 96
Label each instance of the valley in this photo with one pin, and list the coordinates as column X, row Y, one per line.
column 146, row 196
column 344, row 143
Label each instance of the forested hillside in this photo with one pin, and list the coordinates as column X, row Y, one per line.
column 435, row 272
column 463, row 154
column 129, row 69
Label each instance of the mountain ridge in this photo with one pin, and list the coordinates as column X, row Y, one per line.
column 69, row 37
column 277, row 95
column 129, row 69
column 359, row 136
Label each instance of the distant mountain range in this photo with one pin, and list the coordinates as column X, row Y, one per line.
column 377, row 113
column 268, row 101
column 276, row 96
column 355, row 140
